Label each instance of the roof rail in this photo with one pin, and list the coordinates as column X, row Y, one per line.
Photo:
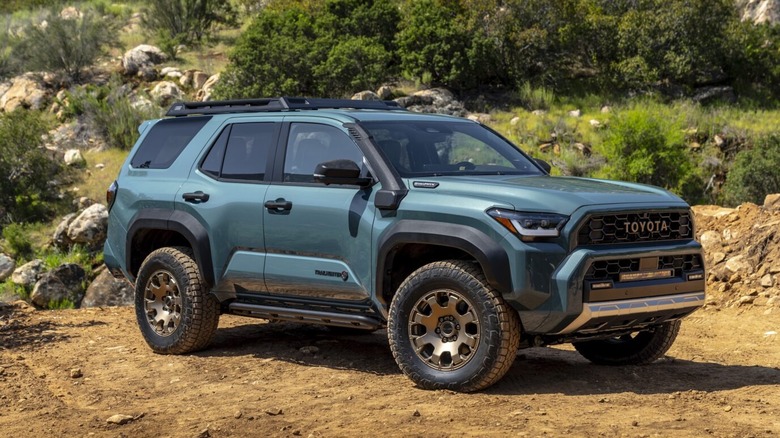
column 179, row 109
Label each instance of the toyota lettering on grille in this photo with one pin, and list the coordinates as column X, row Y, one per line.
column 646, row 226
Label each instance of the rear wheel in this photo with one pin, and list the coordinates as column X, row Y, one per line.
column 448, row 329
column 176, row 315
column 638, row 348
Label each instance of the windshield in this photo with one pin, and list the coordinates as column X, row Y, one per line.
column 434, row 148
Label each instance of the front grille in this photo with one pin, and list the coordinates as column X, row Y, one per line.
column 614, row 228
column 602, row 270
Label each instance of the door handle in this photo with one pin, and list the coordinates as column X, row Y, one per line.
column 279, row 204
column 196, row 197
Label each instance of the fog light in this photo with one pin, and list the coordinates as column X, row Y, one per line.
column 699, row 276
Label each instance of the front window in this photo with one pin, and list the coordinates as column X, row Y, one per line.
column 434, row 148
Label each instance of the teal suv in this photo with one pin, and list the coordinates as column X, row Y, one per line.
column 362, row 215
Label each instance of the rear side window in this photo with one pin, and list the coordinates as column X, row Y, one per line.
column 241, row 152
column 165, row 141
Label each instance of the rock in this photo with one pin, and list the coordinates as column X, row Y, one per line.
column 711, row 240
column 515, row 120
column 772, row 202
column 738, row 264
column 60, row 238
column 274, row 411
column 90, row 226
column 76, row 373
column 199, row 79
column 82, row 203
column 168, row 70
column 309, row 349
column 583, row 148
column 384, row 92
column 706, row 95
column 166, row 92
column 410, row 101
column 63, row 283
column 767, row 280
column 606, row 109
column 71, row 13
column 435, row 100
column 595, row 123
column 557, row 149
column 119, row 419
column 545, row 147
column 480, row 117
column 27, row 274
column 760, row 11
column 100, row 166
column 74, row 158
column 24, row 92
column 204, row 434
column 745, row 300
column 140, row 57
column 416, row 413
column 205, row 92
column 7, row 266
column 105, row 290
column 365, row 95
column 575, row 113
column 538, row 112
column 718, row 257
column 147, row 74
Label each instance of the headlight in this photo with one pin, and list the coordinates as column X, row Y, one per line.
column 528, row 226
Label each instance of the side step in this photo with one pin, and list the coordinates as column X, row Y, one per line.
column 305, row 316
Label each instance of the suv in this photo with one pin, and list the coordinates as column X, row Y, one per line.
column 360, row 214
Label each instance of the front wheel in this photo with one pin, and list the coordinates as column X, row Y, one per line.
column 176, row 315
column 448, row 329
column 638, row 348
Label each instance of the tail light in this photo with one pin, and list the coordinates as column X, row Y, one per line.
column 111, row 194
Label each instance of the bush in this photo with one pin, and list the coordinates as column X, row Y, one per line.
column 29, row 173
column 331, row 48
column 186, row 21
column 17, row 240
column 65, row 46
column 110, row 112
column 754, row 173
column 646, row 144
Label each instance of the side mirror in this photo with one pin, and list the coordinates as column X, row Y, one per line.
column 340, row 172
column 544, row 165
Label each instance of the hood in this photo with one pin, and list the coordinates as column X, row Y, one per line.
column 549, row 194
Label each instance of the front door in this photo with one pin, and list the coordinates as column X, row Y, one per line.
column 318, row 237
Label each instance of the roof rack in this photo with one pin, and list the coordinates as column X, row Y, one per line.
column 179, row 109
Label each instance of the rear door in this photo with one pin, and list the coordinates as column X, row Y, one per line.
column 226, row 193
column 318, row 238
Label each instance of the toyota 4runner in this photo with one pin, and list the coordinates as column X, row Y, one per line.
column 360, row 214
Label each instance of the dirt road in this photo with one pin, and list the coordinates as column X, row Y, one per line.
column 64, row 373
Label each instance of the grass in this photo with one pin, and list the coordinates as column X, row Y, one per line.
column 94, row 182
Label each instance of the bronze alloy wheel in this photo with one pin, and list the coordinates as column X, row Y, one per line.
column 444, row 329
column 162, row 303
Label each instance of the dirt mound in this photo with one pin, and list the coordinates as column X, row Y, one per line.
column 742, row 251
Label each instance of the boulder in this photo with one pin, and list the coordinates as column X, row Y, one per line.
column 64, row 282
column 205, row 92
column 575, row 113
column 515, row 120
column 760, row 11
column 74, row 158
column 170, row 70
column 106, row 290
column 365, row 95
column 140, row 57
column 60, row 238
column 71, row 13
column 711, row 241
column 772, row 202
column 384, row 92
column 199, row 79
column 27, row 274
column 435, row 100
column 90, row 226
column 7, row 266
column 24, row 92
column 166, row 92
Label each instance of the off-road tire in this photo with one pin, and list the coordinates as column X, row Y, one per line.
column 497, row 327
column 640, row 348
column 197, row 309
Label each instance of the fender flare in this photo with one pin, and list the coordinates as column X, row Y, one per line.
column 180, row 222
column 489, row 254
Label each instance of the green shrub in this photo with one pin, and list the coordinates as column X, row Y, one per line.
column 754, row 173
column 646, row 144
column 65, row 46
column 328, row 48
column 109, row 111
column 30, row 174
column 17, row 240
column 186, row 21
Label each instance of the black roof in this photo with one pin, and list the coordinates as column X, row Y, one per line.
column 179, row 109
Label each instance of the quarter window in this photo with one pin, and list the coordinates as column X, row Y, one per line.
column 241, row 152
column 165, row 141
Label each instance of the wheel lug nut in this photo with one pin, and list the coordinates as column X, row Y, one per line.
column 457, row 326
column 438, row 330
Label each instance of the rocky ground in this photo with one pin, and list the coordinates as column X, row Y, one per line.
column 88, row 372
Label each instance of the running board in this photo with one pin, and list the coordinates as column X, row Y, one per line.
column 305, row 316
